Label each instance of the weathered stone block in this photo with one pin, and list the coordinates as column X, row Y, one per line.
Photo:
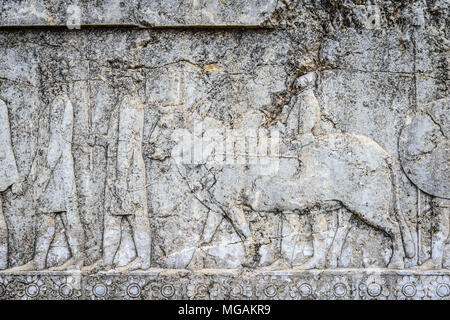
column 260, row 149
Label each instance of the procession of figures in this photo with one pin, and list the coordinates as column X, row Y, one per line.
column 343, row 174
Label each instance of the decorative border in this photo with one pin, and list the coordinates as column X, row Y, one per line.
column 370, row 284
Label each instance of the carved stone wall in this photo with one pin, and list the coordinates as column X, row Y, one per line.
column 224, row 149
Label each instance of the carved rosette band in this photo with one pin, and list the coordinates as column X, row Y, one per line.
column 329, row 285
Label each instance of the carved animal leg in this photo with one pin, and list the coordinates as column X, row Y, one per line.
column 212, row 222
column 240, row 224
column 111, row 239
column 335, row 250
column 3, row 239
column 322, row 239
column 386, row 223
column 398, row 253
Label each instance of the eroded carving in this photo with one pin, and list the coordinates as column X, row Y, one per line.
column 54, row 190
column 336, row 171
column 126, row 194
column 8, row 176
column 425, row 153
column 222, row 163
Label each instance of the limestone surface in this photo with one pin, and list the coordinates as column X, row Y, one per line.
column 224, row 149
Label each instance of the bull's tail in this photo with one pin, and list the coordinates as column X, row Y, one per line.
column 408, row 242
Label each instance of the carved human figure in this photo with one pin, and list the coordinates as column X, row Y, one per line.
column 9, row 175
column 440, row 242
column 54, row 191
column 424, row 148
column 126, row 194
column 306, row 127
column 309, row 109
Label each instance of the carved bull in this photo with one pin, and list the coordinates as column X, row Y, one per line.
column 335, row 171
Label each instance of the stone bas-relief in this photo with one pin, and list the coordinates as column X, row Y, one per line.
column 289, row 162
column 336, row 171
column 157, row 285
column 142, row 13
column 425, row 154
column 9, row 176
column 127, row 195
column 54, row 193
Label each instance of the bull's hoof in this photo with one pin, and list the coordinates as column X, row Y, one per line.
column 250, row 264
column 250, row 261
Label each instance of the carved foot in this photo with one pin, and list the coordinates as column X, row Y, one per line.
column 96, row 267
column 70, row 264
column 250, row 262
column 396, row 264
column 136, row 264
column 29, row 266
column 251, row 254
column 429, row 264
column 312, row 263
column 279, row 264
